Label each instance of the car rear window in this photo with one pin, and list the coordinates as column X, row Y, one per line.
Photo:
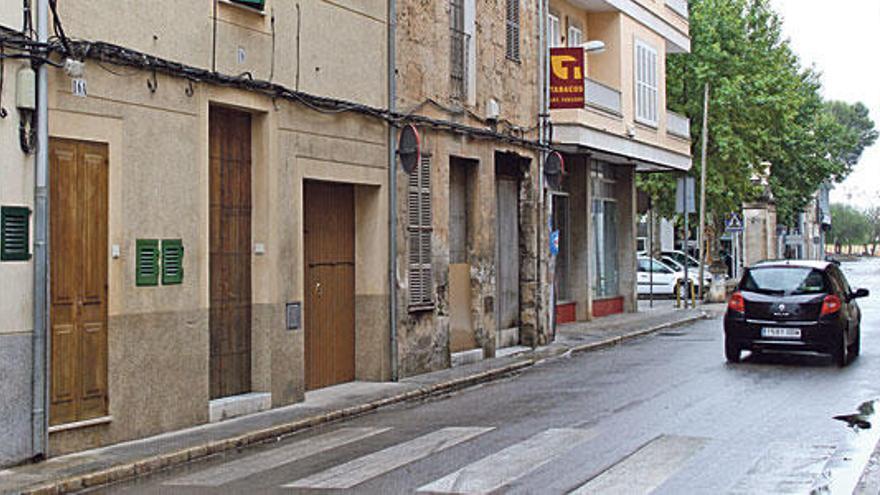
column 785, row 280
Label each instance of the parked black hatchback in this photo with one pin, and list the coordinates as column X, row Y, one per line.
column 794, row 306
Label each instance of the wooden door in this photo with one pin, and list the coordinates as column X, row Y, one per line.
column 78, row 219
column 329, row 288
column 507, row 195
column 461, row 331
column 230, row 252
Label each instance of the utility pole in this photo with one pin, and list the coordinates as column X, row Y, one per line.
column 701, row 234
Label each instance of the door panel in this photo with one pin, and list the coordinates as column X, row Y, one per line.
column 329, row 291
column 78, row 235
column 230, row 252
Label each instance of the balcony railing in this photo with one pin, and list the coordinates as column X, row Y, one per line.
column 458, row 62
column 678, row 125
column 680, row 7
column 601, row 96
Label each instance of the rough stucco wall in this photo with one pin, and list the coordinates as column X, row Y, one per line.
column 16, row 301
column 342, row 50
column 158, row 336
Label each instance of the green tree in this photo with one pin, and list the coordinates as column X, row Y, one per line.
column 764, row 107
column 849, row 227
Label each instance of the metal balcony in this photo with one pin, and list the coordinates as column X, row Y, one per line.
column 678, row 125
column 680, row 7
column 602, row 97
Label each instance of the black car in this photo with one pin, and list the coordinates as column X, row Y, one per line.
column 794, row 306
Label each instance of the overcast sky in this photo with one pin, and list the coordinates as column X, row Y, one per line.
column 841, row 38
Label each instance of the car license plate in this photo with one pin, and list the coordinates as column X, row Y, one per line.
column 781, row 333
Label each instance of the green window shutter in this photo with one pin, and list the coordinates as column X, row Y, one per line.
column 15, row 239
column 147, row 262
column 172, row 261
column 254, row 4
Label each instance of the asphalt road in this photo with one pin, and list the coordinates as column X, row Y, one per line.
column 663, row 414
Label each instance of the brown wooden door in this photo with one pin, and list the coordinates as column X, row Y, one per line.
column 329, row 272
column 78, row 237
column 230, row 252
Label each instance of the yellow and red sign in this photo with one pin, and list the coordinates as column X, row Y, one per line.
column 566, row 78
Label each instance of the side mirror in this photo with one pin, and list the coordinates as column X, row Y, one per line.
column 861, row 293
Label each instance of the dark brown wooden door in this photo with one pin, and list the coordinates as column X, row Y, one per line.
column 78, row 237
column 329, row 272
column 230, row 252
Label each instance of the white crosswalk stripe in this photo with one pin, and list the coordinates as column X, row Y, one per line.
column 370, row 466
column 786, row 468
column 645, row 470
column 274, row 458
column 505, row 467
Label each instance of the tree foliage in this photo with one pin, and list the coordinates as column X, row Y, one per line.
column 764, row 107
column 850, row 226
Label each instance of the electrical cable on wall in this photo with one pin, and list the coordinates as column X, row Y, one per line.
column 117, row 55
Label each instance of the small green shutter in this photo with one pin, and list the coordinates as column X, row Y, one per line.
column 254, row 4
column 172, row 261
column 147, row 262
column 15, row 233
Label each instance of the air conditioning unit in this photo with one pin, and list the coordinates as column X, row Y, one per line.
column 254, row 4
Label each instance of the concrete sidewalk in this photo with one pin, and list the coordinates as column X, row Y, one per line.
column 142, row 457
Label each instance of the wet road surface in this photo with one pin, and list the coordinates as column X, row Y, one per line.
column 663, row 414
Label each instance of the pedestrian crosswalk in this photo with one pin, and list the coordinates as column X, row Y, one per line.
column 368, row 467
column 499, row 464
column 510, row 464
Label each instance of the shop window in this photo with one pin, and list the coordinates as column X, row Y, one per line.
column 605, row 216
column 562, row 223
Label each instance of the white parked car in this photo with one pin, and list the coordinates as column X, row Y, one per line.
column 665, row 278
column 693, row 269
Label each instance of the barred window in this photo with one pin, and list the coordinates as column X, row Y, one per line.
column 513, row 30
column 420, row 229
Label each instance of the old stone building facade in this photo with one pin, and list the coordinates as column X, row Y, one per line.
column 473, row 63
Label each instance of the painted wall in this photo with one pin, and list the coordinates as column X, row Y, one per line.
column 158, row 337
column 16, row 301
column 334, row 49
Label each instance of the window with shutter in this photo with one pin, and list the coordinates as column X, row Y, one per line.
column 513, row 30
column 647, row 91
column 575, row 36
column 172, row 262
column 15, row 233
column 420, row 229
column 146, row 262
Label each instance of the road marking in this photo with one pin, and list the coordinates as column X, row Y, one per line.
column 368, row 467
column 242, row 468
column 506, row 466
column 786, row 468
column 646, row 469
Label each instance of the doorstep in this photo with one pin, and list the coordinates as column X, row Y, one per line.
column 238, row 405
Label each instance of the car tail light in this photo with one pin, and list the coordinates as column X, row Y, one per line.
column 737, row 303
column 831, row 305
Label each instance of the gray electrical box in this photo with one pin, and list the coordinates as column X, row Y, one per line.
column 294, row 316
column 26, row 89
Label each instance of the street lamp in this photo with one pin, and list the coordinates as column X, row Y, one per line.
column 593, row 46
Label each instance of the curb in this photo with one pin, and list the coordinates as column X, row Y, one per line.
column 151, row 465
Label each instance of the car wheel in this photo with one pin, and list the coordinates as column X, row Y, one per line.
column 731, row 351
column 840, row 354
column 856, row 347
